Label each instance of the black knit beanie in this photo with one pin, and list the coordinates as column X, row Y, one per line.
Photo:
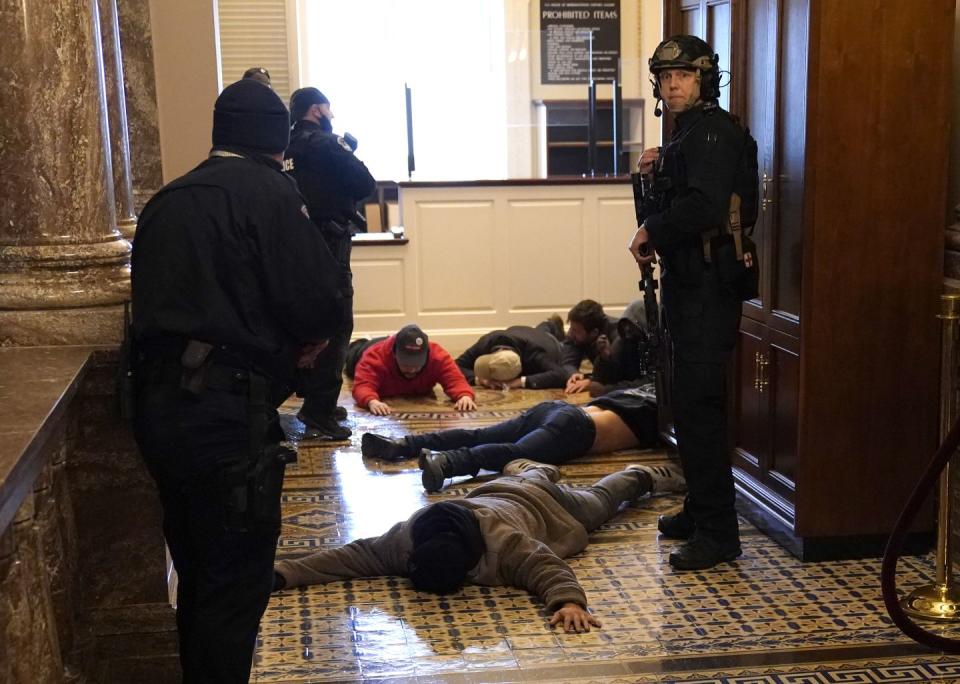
column 249, row 114
column 304, row 98
column 447, row 544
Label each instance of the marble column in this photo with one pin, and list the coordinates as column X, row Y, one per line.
column 117, row 118
column 64, row 267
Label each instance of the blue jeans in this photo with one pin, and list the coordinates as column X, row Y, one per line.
column 550, row 432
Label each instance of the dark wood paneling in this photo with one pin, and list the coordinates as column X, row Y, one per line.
column 783, row 372
column 750, row 431
column 790, row 154
column 875, row 211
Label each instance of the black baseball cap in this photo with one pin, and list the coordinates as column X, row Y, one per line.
column 411, row 346
column 303, row 99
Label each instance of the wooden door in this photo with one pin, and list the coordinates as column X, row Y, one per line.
column 765, row 415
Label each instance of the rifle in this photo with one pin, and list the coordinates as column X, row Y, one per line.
column 654, row 347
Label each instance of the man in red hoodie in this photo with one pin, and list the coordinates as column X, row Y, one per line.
column 408, row 363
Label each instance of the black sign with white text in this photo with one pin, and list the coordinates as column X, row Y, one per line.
column 565, row 29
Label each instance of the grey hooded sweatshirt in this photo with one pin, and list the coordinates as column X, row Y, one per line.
column 525, row 531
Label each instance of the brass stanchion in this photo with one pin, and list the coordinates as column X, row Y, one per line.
column 941, row 601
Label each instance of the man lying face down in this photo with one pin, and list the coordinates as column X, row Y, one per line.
column 514, row 531
column 551, row 432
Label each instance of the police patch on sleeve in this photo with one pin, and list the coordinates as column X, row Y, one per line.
column 344, row 145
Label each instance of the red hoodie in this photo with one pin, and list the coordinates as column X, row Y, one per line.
column 377, row 375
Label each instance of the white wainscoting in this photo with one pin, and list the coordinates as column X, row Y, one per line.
column 486, row 257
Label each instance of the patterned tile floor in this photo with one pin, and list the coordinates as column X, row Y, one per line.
column 765, row 618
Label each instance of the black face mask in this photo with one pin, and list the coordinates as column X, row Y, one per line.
column 325, row 125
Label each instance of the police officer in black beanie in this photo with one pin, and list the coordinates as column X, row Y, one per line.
column 233, row 288
column 332, row 180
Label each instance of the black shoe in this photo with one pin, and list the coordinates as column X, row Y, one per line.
column 339, row 413
column 677, row 525
column 436, row 468
column 702, row 552
column 556, row 323
column 377, row 446
column 324, row 428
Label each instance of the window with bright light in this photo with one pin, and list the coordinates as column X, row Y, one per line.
column 451, row 54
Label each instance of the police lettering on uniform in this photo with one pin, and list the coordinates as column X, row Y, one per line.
column 332, row 180
column 233, row 287
column 687, row 200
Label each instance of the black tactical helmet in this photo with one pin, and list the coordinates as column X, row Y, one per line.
column 687, row 52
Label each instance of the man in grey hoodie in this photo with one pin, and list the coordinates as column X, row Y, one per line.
column 513, row 531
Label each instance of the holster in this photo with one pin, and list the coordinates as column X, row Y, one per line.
column 339, row 237
column 195, row 364
column 253, row 486
column 734, row 256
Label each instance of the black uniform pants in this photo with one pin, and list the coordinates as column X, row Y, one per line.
column 703, row 319
column 700, row 416
column 550, row 432
column 320, row 386
column 224, row 569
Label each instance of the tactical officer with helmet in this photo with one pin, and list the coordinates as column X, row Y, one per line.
column 686, row 202
column 233, row 288
column 332, row 180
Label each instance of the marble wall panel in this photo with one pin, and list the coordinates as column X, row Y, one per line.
column 8, row 561
column 116, row 505
column 31, row 632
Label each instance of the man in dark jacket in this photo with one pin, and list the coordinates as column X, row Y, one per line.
column 628, row 363
column 233, row 286
column 332, row 180
column 689, row 185
column 519, row 356
column 590, row 335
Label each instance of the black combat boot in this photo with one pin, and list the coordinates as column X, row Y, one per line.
column 677, row 525
column 377, row 446
column 437, row 466
column 702, row 552
column 324, row 427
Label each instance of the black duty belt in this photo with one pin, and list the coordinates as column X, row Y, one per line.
column 216, row 376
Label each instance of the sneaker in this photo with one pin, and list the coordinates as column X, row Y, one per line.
column 324, row 428
column 522, row 465
column 377, row 446
column 436, row 469
column 665, row 478
column 556, row 322
column 677, row 525
column 701, row 552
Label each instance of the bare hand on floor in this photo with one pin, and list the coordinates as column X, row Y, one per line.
column 574, row 618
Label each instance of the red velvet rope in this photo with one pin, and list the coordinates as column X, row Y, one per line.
column 888, row 574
